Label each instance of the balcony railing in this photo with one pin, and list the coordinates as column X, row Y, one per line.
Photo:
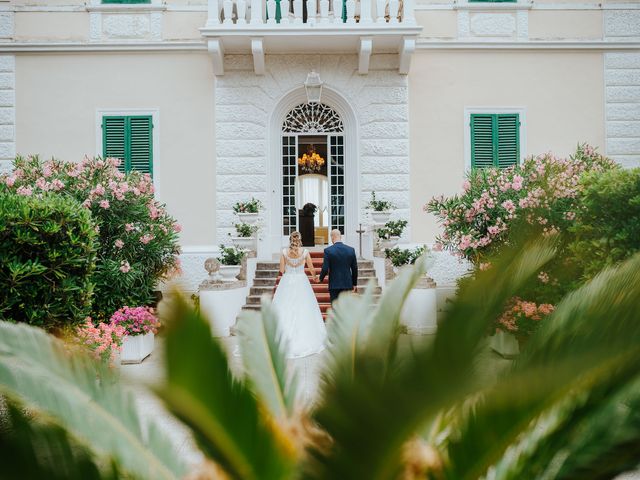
column 310, row 13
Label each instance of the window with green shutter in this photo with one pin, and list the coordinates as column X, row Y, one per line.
column 495, row 140
column 129, row 138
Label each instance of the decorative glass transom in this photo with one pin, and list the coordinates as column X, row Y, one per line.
column 312, row 118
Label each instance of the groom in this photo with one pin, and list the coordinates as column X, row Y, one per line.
column 342, row 266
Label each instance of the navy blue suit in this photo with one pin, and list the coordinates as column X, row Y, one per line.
column 341, row 264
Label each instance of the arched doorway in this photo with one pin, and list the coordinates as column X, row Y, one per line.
column 313, row 171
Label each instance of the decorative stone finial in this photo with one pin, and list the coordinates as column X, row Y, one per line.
column 212, row 265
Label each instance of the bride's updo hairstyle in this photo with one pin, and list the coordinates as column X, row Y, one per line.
column 295, row 242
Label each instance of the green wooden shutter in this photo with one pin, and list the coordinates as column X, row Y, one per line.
column 495, row 140
column 482, row 142
column 129, row 139
column 141, row 144
column 508, row 140
column 114, row 139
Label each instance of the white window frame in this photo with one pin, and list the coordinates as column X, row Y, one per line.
column 155, row 132
column 522, row 134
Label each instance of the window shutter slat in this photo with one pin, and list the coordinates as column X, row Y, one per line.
column 141, row 143
column 114, row 139
column 508, row 141
column 481, row 141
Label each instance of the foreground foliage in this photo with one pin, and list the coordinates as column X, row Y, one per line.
column 566, row 409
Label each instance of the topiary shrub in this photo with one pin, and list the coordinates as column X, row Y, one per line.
column 47, row 259
column 138, row 240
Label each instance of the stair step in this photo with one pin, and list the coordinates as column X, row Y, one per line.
column 264, row 273
column 362, row 281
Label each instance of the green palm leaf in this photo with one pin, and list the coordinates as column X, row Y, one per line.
column 222, row 412
column 588, row 349
column 349, row 321
column 370, row 418
column 35, row 369
column 263, row 355
column 33, row 448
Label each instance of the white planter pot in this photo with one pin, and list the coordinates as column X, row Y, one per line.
column 390, row 242
column 229, row 272
column 250, row 218
column 380, row 217
column 504, row 344
column 246, row 243
column 419, row 313
column 136, row 348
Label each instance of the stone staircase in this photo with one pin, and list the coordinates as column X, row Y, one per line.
column 267, row 277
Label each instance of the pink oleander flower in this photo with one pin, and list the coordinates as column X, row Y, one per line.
column 104, row 204
column 118, row 243
column 466, row 185
column 125, row 267
column 25, row 191
column 99, row 190
column 10, row 180
column 437, row 247
column 129, row 227
column 57, row 185
column 146, row 238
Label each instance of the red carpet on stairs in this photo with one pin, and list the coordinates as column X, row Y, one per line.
column 321, row 290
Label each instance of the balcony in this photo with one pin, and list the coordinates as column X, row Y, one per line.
column 261, row 27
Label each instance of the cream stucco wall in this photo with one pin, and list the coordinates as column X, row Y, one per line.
column 59, row 26
column 57, row 98
column 562, row 94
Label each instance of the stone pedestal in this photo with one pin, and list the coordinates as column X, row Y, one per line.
column 419, row 313
column 504, row 344
column 221, row 303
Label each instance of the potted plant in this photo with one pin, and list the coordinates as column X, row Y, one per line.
column 247, row 212
column 391, row 232
column 419, row 313
column 380, row 209
column 230, row 259
column 103, row 341
column 517, row 323
column 141, row 325
column 245, row 238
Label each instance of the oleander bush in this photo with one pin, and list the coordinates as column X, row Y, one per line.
column 138, row 239
column 47, row 259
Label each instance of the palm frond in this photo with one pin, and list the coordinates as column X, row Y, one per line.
column 33, row 448
column 586, row 351
column 264, row 358
column 348, row 324
column 222, row 412
column 35, row 368
column 370, row 419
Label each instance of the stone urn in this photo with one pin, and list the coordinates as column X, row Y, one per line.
column 380, row 217
column 389, row 242
column 245, row 243
column 250, row 218
column 419, row 313
column 229, row 272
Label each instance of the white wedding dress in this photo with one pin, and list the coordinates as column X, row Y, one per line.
column 299, row 318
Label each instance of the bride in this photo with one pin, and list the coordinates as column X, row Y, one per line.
column 299, row 317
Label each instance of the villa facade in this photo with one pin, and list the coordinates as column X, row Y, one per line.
column 210, row 98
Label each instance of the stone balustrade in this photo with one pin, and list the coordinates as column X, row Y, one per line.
column 308, row 13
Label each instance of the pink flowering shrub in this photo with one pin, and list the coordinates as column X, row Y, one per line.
column 522, row 318
column 544, row 192
column 544, row 195
column 137, row 238
column 103, row 340
column 136, row 320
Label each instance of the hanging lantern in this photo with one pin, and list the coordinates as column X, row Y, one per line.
column 313, row 87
